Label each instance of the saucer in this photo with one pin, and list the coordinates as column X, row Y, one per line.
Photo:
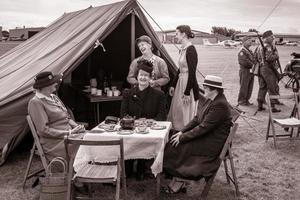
column 125, row 132
column 142, row 132
column 158, row 127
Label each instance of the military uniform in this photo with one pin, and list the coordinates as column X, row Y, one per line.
column 269, row 76
column 246, row 61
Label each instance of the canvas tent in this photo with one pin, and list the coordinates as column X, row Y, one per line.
column 64, row 46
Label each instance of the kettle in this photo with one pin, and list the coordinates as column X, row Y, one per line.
column 127, row 122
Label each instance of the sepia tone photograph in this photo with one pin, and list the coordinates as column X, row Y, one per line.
column 141, row 99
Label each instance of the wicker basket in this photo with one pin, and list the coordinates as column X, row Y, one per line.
column 54, row 186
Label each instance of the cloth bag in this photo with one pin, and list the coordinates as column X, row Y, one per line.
column 54, row 185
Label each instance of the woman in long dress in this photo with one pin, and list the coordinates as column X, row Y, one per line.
column 186, row 93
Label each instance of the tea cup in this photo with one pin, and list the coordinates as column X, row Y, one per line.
column 109, row 93
column 93, row 91
column 99, row 92
column 116, row 92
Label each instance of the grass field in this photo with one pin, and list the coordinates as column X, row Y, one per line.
column 263, row 172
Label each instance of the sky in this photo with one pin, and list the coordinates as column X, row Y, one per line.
column 199, row 14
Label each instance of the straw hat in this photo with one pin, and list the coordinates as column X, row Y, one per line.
column 213, row 81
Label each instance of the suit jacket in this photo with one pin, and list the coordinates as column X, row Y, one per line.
column 149, row 103
column 208, row 131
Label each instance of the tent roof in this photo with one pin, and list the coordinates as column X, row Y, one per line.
column 60, row 45
column 58, row 48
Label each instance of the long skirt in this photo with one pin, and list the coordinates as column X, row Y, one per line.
column 181, row 114
column 181, row 162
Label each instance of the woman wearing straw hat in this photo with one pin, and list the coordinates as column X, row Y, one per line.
column 193, row 152
column 50, row 116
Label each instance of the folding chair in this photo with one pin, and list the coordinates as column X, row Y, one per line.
column 288, row 123
column 36, row 150
column 226, row 154
column 96, row 172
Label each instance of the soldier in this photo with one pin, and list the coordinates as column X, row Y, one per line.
column 246, row 61
column 267, row 55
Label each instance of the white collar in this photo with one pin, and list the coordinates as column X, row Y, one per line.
column 40, row 95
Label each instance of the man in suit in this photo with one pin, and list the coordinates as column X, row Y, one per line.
column 193, row 152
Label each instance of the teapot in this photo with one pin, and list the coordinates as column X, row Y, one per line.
column 127, row 122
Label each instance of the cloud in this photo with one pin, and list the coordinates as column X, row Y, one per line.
column 200, row 15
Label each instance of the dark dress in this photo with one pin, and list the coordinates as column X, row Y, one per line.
column 149, row 103
column 202, row 140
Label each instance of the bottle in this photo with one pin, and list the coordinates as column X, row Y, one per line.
column 105, row 85
column 109, row 80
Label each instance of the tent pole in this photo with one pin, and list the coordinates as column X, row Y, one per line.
column 132, row 36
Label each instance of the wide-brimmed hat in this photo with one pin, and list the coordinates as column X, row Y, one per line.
column 143, row 38
column 213, row 81
column 44, row 79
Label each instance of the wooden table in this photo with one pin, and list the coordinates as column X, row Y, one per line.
column 96, row 100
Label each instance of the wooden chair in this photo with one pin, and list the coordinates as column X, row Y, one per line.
column 36, row 150
column 226, row 154
column 288, row 123
column 96, row 172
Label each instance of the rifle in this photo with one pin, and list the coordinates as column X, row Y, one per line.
column 278, row 75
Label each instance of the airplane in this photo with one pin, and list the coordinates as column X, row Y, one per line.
column 206, row 42
column 225, row 43
column 230, row 43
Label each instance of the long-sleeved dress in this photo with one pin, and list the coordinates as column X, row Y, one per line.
column 202, row 140
column 149, row 103
column 52, row 122
column 186, row 84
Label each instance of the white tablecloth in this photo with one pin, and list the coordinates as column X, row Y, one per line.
column 136, row 146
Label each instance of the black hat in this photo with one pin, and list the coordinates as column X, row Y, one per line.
column 145, row 65
column 44, row 79
column 267, row 34
column 143, row 38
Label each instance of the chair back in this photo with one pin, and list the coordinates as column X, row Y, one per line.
column 228, row 143
column 235, row 113
column 69, row 140
column 37, row 142
column 294, row 96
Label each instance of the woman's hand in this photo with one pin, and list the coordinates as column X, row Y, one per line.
column 171, row 91
column 186, row 99
column 175, row 139
column 78, row 129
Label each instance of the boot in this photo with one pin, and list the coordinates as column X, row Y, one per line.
column 274, row 110
column 260, row 106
